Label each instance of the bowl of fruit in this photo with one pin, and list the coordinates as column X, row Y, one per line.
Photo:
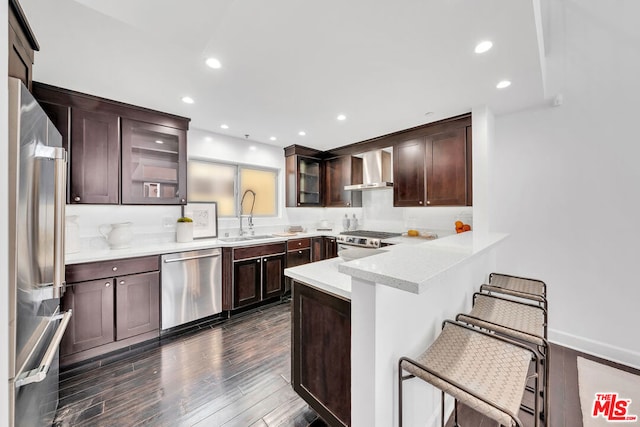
column 461, row 227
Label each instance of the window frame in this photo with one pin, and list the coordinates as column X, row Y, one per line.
column 237, row 184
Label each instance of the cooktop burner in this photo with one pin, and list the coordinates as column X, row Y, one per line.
column 370, row 234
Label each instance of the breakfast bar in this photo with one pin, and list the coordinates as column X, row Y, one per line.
column 395, row 301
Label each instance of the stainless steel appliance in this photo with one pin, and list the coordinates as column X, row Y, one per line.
column 376, row 171
column 37, row 182
column 363, row 239
column 191, row 286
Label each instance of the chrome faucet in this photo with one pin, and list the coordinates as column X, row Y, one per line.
column 250, row 216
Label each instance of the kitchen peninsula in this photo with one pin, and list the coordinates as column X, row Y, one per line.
column 371, row 311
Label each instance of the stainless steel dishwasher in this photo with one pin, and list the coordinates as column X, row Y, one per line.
column 191, row 286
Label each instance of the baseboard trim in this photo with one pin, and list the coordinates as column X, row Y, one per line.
column 596, row 348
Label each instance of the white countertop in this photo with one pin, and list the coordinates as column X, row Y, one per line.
column 409, row 267
column 323, row 275
column 172, row 247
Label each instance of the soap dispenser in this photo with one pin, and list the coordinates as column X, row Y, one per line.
column 354, row 223
column 345, row 223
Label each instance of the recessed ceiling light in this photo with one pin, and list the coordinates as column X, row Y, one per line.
column 253, row 148
column 224, row 126
column 341, row 117
column 159, row 141
column 213, row 63
column 302, row 133
column 503, row 84
column 483, row 46
column 273, row 138
column 187, row 100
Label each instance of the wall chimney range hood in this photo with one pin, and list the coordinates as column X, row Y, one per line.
column 376, row 171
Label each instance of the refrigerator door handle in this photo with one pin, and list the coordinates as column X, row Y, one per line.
column 60, row 200
column 40, row 373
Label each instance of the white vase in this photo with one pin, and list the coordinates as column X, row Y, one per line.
column 184, row 232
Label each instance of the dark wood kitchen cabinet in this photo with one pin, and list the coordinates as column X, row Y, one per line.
column 95, row 157
column 118, row 153
column 341, row 171
column 252, row 274
column 321, row 352
column 330, row 247
column 92, row 321
column 317, row 249
column 433, row 170
column 303, row 180
column 22, row 44
column 154, row 164
column 115, row 304
column 298, row 252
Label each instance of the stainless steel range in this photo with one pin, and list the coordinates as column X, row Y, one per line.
column 363, row 238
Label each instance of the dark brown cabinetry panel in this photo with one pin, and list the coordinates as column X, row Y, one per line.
column 137, row 304
column 115, row 304
column 299, row 244
column 447, row 168
column 298, row 257
column 246, row 282
column 317, row 249
column 92, row 322
column 272, row 276
column 303, row 182
column 341, row 171
column 321, row 353
column 154, row 160
column 95, row 157
column 409, row 173
column 330, row 247
column 22, row 44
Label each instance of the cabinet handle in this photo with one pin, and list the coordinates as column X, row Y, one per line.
column 115, row 269
column 298, row 204
column 264, row 259
column 420, row 202
column 106, row 285
column 258, row 261
column 299, row 252
column 183, row 201
column 122, row 282
column 348, row 203
column 428, row 202
column 299, row 243
column 76, row 199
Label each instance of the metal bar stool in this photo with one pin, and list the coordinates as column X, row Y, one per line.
column 521, row 287
column 517, row 320
column 484, row 371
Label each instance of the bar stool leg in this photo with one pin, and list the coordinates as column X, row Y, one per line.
column 442, row 408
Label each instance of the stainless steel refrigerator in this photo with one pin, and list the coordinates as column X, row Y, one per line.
column 37, row 186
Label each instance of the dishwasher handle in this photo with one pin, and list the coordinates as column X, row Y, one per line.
column 167, row 261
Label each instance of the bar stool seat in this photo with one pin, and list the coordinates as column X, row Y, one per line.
column 521, row 287
column 514, row 319
column 487, row 373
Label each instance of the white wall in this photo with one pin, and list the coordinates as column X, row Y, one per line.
column 4, row 219
column 565, row 181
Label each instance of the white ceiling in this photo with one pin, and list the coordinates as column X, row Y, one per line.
column 291, row 65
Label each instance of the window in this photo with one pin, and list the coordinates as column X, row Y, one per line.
column 220, row 182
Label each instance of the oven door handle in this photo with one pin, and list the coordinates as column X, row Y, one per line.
column 40, row 373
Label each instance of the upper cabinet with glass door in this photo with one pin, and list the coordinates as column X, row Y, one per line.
column 153, row 164
column 303, row 177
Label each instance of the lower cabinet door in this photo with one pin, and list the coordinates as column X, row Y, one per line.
column 272, row 276
column 246, row 282
column 92, row 321
column 137, row 304
column 330, row 247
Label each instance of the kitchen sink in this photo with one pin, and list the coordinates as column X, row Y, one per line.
column 235, row 239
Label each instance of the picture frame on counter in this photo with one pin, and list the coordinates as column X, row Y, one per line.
column 205, row 218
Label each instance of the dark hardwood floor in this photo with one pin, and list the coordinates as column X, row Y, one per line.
column 237, row 373
column 565, row 402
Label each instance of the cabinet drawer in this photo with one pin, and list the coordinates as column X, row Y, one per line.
column 299, row 257
column 116, row 267
column 257, row 251
column 299, row 244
